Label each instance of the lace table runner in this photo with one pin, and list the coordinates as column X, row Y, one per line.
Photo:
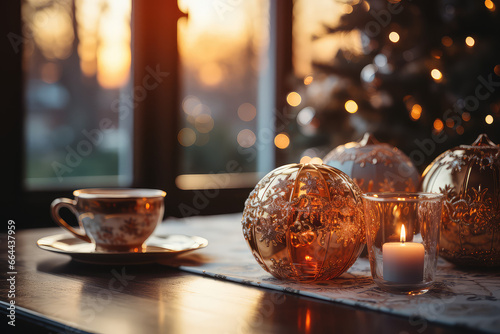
column 461, row 298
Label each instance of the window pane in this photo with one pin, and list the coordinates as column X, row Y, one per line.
column 221, row 45
column 77, row 64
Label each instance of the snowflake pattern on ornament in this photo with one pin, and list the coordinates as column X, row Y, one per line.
column 297, row 206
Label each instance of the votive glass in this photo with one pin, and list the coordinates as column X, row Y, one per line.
column 402, row 231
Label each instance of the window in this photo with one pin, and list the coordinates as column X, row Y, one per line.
column 77, row 61
column 210, row 124
column 224, row 48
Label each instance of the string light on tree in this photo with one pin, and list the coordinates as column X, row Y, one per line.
column 490, row 5
column 416, row 111
column 447, row 41
column 351, row 106
column 409, row 84
column 470, row 41
column 436, row 75
column 394, row 37
column 438, row 125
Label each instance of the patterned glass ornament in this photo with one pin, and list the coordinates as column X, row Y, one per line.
column 375, row 167
column 304, row 222
column 469, row 177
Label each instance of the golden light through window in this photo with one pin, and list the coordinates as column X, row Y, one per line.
column 438, row 125
column 246, row 138
column 211, row 74
column 50, row 27
column 186, row 137
column 436, row 74
column 281, row 141
column 113, row 48
column 470, row 41
column 394, row 37
column 351, row 106
column 488, row 119
column 293, row 99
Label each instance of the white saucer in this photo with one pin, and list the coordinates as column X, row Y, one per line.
column 159, row 248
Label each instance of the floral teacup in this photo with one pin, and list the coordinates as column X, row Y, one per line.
column 115, row 220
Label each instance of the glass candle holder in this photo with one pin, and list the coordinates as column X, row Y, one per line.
column 402, row 231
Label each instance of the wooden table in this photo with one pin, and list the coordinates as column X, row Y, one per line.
column 54, row 294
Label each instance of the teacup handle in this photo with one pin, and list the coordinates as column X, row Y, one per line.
column 59, row 203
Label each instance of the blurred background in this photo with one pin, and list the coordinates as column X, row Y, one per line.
column 252, row 85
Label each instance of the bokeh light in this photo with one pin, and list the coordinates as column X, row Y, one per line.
column 436, row 74
column 351, row 106
column 447, row 41
column 490, row 5
column 186, row 137
column 293, row 99
column 470, row 41
column 488, row 119
column 247, row 112
column 189, row 104
column 438, row 125
column 394, row 37
column 316, row 161
column 308, row 80
column 204, row 123
column 305, row 116
column 347, row 9
column 281, row 141
column 305, row 159
column 496, row 69
column 246, row 138
column 416, row 112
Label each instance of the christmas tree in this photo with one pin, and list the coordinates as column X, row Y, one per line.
column 427, row 79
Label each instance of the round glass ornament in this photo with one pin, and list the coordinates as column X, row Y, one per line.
column 305, row 222
column 375, row 166
column 469, row 178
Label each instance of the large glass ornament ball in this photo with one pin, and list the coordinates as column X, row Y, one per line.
column 469, row 177
column 305, row 222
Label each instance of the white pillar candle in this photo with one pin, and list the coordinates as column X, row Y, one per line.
column 403, row 261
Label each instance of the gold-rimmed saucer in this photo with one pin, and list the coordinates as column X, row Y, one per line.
column 158, row 248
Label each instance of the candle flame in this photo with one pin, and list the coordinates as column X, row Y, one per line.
column 403, row 234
